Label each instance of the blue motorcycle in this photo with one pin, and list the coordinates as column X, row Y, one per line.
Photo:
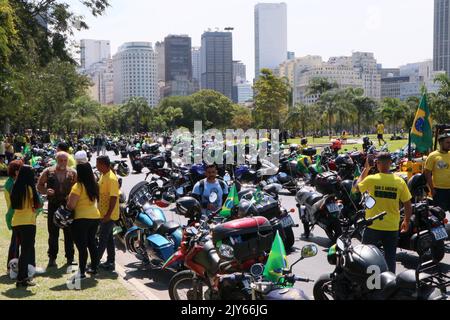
column 152, row 238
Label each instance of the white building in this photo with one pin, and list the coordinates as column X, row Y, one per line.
column 420, row 74
column 93, row 51
column 102, row 77
column 270, row 35
column 135, row 73
column 356, row 71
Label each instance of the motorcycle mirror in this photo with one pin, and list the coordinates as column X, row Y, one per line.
column 369, row 202
column 213, row 197
column 309, row 251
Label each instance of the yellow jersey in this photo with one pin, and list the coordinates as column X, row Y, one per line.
column 85, row 208
column 71, row 162
column 439, row 164
column 109, row 187
column 387, row 190
column 26, row 215
column 380, row 129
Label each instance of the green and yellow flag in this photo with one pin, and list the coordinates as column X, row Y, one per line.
column 277, row 261
column 231, row 202
column 421, row 131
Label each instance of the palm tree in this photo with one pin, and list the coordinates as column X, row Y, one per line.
column 137, row 108
column 440, row 101
column 299, row 116
column 394, row 110
column 318, row 86
column 363, row 106
column 83, row 113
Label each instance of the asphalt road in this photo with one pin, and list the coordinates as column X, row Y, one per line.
column 157, row 281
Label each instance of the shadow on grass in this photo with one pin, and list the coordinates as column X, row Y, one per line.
column 56, row 273
column 18, row 293
column 84, row 284
column 5, row 279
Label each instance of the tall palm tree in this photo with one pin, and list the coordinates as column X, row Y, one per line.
column 83, row 113
column 363, row 106
column 299, row 117
column 137, row 108
column 394, row 111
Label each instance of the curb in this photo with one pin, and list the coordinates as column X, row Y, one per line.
column 141, row 288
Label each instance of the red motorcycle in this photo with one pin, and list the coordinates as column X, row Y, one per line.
column 229, row 247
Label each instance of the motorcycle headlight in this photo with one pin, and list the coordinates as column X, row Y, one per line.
column 226, row 251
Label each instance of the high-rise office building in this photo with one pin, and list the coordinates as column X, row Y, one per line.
column 239, row 72
column 135, row 73
column 196, row 64
column 270, row 35
column 102, row 79
column 160, row 60
column 93, row 51
column 441, row 58
column 217, row 62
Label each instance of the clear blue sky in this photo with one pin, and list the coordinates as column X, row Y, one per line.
column 397, row 31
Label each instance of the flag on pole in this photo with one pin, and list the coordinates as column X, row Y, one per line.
column 257, row 196
column 277, row 261
column 421, row 131
column 318, row 167
column 231, row 202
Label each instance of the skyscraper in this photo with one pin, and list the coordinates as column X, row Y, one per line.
column 160, row 61
column 239, row 72
column 217, row 62
column 135, row 73
column 442, row 36
column 94, row 51
column 270, row 35
column 196, row 67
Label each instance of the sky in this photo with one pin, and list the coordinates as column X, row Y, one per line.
column 397, row 31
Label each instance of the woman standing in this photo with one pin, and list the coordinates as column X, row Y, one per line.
column 82, row 199
column 13, row 172
column 25, row 201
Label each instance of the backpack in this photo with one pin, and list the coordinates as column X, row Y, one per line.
column 202, row 186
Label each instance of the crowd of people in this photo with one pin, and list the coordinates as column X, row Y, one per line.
column 71, row 185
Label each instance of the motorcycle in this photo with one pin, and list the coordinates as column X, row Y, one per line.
column 253, row 286
column 136, row 161
column 152, row 239
column 356, row 266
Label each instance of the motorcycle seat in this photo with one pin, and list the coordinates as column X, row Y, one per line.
column 313, row 198
column 390, row 283
column 167, row 228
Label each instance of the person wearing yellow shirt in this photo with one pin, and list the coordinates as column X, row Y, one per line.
column 108, row 206
column 25, row 201
column 437, row 172
column 388, row 190
column 380, row 132
column 82, row 200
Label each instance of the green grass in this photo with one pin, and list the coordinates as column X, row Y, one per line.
column 392, row 145
column 52, row 285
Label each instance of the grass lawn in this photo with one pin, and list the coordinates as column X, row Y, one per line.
column 52, row 285
column 393, row 145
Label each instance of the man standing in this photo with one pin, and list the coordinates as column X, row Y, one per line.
column 108, row 206
column 204, row 188
column 388, row 190
column 64, row 147
column 437, row 172
column 56, row 182
column 98, row 144
column 380, row 133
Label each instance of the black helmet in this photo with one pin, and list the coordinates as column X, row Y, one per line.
column 63, row 217
column 304, row 141
column 246, row 208
column 417, row 184
column 343, row 160
column 188, row 207
column 366, row 140
column 293, row 147
column 123, row 170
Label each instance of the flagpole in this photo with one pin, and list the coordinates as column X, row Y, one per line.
column 409, row 146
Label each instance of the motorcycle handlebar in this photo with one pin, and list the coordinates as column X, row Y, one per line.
column 303, row 279
column 377, row 217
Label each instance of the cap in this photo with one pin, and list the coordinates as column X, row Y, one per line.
column 81, row 157
column 444, row 136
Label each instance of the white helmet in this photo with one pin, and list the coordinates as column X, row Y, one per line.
column 81, row 157
column 14, row 269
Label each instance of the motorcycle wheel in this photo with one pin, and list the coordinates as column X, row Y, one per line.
column 289, row 239
column 334, row 230
column 184, row 281
column 321, row 288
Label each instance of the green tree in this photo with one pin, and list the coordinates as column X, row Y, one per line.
column 242, row 118
column 138, row 109
column 363, row 107
column 440, row 101
column 298, row 118
column 83, row 114
column 394, row 111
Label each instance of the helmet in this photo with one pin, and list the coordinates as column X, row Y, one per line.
column 304, row 141
column 63, row 217
column 165, row 200
column 336, row 144
column 81, row 157
column 343, row 160
column 293, row 147
column 417, row 184
column 123, row 170
column 366, row 140
column 188, row 207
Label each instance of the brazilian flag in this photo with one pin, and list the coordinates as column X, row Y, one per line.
column 277, row 261
column 318, row 167
column 257, row 196
column 231, row 202
column 421, row 132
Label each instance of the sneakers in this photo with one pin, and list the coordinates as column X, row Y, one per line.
column 71, row 262
column 25, row 283
column 109, row 266
column 91, row 271
column 52, row 263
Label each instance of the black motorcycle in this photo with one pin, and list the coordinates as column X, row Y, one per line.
column 361, row 273
column 136, row 161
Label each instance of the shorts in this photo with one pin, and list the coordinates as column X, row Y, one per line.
column 380, row 137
